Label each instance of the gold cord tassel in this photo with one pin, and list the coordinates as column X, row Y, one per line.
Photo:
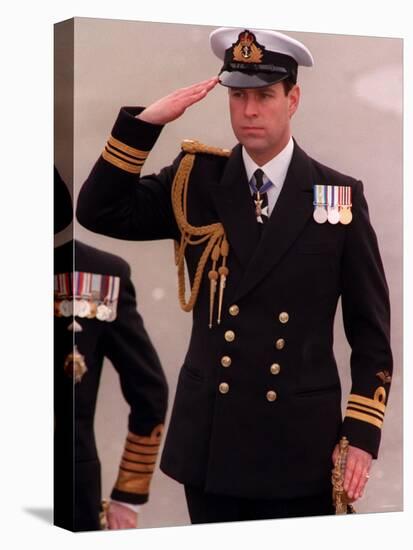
column 213, row 277
column 223, row 273
column 213, row 235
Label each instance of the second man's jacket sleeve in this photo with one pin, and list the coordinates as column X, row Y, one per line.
column 143, row 384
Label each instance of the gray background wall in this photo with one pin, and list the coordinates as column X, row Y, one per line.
column 350, row 118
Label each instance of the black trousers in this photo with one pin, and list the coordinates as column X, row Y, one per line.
column 210, row 508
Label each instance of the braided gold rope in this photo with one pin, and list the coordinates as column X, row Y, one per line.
column 191, row 235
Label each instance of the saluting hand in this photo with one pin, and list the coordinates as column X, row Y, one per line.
column 172, row 106
column 357, row 471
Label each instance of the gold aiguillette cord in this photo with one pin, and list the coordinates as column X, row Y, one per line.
column 214, row 237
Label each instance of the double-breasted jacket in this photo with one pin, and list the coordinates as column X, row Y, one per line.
column 257, row 410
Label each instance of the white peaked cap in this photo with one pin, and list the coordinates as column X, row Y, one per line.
column 221, row 39
column 256, row 58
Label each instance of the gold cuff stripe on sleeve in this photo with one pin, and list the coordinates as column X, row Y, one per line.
column 118, row 154
column 142, row 443
column 143, row 459
column 154, row 439
column 139, row 452
column 373, row 403
column 364, row 418
column 137, row 153
column 120, row 163
column 139, row 468
column 367, row 410
column 140, row 449
column 133, row 483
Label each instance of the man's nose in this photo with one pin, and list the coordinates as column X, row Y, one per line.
column 251, row 106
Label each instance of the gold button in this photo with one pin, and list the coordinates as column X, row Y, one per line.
column 271, row 395
column 283, row 317
column 234, row 310
column 224, row 387
column 280, row 343
column 226, row 361
column 275, row 368
column 230, row 336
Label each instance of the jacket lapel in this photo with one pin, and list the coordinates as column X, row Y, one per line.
column 289, row 216
column 234, row 204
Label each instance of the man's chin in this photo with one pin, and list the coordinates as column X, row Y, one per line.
column 255, row 146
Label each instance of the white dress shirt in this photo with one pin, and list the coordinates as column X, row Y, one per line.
column 274, row 170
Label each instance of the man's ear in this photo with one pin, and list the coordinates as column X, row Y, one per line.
column 293, row 99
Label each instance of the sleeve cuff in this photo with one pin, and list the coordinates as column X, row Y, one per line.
column 131, row 140
column 363, row 420
column 137, row 467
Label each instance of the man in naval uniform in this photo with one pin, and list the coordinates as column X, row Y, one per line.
column 272, row 239
column 95, row 317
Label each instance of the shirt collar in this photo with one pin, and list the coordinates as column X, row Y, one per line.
column 275, row 169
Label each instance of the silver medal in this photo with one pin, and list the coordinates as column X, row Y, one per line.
column 83, row 308
column 103, row 312
column 66, row 308
column 333, row 214
column 320, row 214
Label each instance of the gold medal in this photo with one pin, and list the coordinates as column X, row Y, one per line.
column 345, row 215
column 75, row 365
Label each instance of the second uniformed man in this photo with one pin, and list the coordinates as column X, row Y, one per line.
column 272, row 239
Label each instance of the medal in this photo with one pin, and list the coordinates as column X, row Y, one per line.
column 345, row 215
column 63, row 295
column 82, row 308
column 320, row 203
column 333, row 215
column 75, row 366
column 345, row 205
column 332, row 209
column 66, row 308
column 103, row 312
column 258, row 205
column 320, row 214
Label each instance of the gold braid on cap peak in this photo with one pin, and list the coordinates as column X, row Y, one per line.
column 213, row 234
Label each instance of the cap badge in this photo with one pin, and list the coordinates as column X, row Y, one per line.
column 247, row 49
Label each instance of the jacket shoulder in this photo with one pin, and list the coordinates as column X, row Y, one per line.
column 334, row 177
column 90, row 259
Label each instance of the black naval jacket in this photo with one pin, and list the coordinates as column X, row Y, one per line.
column 126, row 343
column 280, row 302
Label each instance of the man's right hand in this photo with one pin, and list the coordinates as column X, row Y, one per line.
column 172, row 106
